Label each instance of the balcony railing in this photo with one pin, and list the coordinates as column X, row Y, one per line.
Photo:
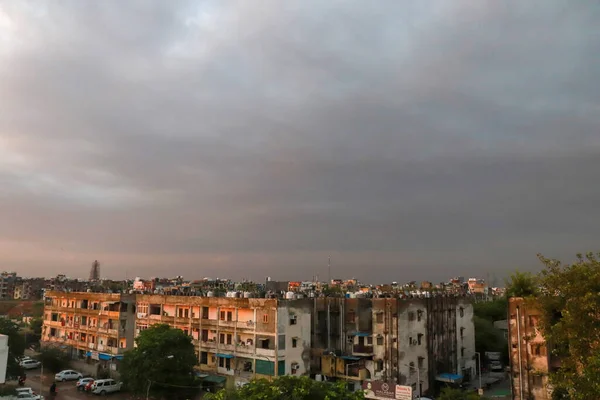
column 362, row 349
column 265, row 352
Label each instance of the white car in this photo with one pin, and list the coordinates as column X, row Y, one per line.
column 81, row 383
column 67, row 375
column 105, row 386
column 28, row 393
column 29, row 396
column 30, row 364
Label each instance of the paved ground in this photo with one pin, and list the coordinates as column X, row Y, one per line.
column 66, row 390
column 499, row 385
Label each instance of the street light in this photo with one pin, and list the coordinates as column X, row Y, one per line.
column 418, row 377
column 479, row 365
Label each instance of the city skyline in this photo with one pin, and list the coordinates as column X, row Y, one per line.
column 256, row 139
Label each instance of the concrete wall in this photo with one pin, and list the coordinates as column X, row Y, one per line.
column 466, row 339
column 301, row 330
column 3, row 357
column 412, row 319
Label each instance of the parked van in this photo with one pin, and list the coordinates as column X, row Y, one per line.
column 105, row 386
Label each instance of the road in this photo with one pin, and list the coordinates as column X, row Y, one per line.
column 66, row 390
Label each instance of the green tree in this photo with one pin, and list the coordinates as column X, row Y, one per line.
column 494, row 310
column 288, row 388
column 570, row 306
column 163, row 360
column 456, row 394
column 488, row 338
column 522, row 284
column 53, row 359
column 16, row 346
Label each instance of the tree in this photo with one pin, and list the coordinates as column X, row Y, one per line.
column 522, row 284
column 569, row 300
column 163, row 360
column 16, row 346
column 288, row 388
column 457, row 394
column 53, row 359
column 488, row 338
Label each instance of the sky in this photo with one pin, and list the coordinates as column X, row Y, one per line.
column 407, row 140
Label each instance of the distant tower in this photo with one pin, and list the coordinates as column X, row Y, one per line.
column 95, row 271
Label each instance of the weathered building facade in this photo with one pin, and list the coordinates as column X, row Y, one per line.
column 237, row 338
column 414, row 342
column 530, row 358
column 98, row 326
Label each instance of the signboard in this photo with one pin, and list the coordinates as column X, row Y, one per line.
column 379, row 390
column 95, row 355
column 404, row 392
column 480, row 391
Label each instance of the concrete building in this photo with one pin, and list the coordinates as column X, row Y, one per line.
column 237, row 339
column 389, row 339
column 530, row 358
column 3, row 357
column 7, row 285
column 97, row 326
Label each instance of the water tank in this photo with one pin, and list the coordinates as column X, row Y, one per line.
column 311, row 295
column 210, row 294
column 268, row 279
column 290, row 295
column 247, row 295
column 351, row 295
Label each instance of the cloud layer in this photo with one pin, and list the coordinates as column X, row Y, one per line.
column 245, row 139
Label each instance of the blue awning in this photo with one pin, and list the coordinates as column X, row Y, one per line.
column 105, row 357
column 350, row 358
column 449, row 378
column 363, row 334
column 224, row 355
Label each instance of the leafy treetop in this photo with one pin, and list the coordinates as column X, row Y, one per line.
column 163, row 358
column 288, row 388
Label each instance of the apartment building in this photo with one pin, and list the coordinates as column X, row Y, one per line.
column 98, row 326
column 418, row 342
column 29, row 289
column 237, row 339
column 7, row 285
column 530, row 358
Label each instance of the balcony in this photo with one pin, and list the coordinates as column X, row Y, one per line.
column 244, row 349
column 265, row 352
column 356, row 373
column 225, row 371
column 111, row 314
column 363, row 350
column 56, row 324
column 211, row 344
column 227, row 348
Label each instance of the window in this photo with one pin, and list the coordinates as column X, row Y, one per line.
column 229, row 338
column 419, row 315
column 538, row 380
column 462, row 351
column 379, row 318
column 537, row 349
column 222, row 318
column 222, row 338
column 421, row 361
column 229, row 315
column 379, row 365
column 204, row 335
column 351, row 316
column 411, row 316
column 294, row 342
column 370, row 341
column 462, row 332
column 204, row 312
column 265, row 318
column 380, row 341
column 419, row 337
column 225, row 363
column 462, row 312
column 293, row 320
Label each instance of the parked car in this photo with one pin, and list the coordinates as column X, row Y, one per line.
column 67, row 375
column 83, row 382
column 88, row 386
column 30, row 364
column 29, row 396
column 105, row 386
column 496, row 366
column 28, row 393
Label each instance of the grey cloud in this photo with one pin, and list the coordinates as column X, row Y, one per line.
column 257, row 138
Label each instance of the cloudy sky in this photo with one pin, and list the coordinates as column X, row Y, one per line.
column 407, row 139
